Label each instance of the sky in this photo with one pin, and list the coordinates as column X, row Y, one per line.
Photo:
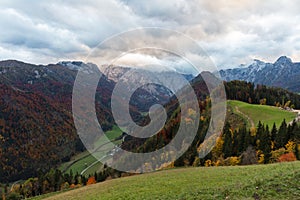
column 231, row 32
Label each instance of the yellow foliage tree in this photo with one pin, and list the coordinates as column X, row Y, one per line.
column 263, row 101
column 219, row 162
column 276, row 154
column 290, row 147
column 253, row 131
column 261, row 158
column 217, row 150
column 232, row 161
column 208, row 163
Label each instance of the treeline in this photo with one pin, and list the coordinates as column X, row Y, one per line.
column 54, row 180
column 260, row 94
column 261, row 145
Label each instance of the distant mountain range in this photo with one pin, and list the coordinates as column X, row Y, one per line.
column 114, row 73
column 284, row 73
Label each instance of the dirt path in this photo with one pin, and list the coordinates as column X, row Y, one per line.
column 297, row 118
column 246, row 116
column 96, row 150
column 91, row 165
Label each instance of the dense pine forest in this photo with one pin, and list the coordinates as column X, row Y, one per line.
column 261, row 94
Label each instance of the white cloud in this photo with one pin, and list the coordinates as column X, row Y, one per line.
column 232, row 32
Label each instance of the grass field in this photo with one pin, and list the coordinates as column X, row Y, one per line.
column 273, row 181
column 266, row 114
column 81, row 161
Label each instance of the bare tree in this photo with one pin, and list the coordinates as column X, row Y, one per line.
column 248, row 157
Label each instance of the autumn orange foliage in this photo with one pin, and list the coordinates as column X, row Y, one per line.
column 91, row 181
column 288, row 157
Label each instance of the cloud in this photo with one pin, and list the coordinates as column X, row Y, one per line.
column 169, row 62
column 231, row 32
column 60, row 29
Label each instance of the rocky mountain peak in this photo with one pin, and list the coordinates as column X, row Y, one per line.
column 283, row 60
column 283, row 73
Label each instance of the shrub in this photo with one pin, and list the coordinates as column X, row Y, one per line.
column 275, row 155
column 288, row 157
column 14, row 196
column 232, row 161
column 91, row 181
column 208, row 163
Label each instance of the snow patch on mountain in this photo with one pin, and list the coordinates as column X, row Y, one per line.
column 282, row 73
column 115, row 73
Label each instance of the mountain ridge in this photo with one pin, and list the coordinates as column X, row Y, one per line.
column 283, row 73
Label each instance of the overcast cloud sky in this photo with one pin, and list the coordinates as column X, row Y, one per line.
column 232, row 32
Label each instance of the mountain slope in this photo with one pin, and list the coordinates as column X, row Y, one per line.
column 36, row 123
column 283, row 73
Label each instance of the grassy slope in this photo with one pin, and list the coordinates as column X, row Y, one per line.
column 273, row 181
column 265, row 114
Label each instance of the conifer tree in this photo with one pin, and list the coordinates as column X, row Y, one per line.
column 265, row 144
column 241, row 140
column 227, row 137
column 281, row 137
column 236, row 142
column 247, row 140
column 297, row 153
column 273, row 132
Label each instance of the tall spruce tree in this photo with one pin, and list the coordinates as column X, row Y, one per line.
column 273, row 132
column 236, row 142
column 281, row 137
column 247, row 140
column 241, row 139
column 265, row 144
column 228, row 143
column 290, row 130
column 297, row 153
column 259, row 134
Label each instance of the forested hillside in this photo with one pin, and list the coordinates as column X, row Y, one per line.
column 37, row 131
column 36, row 124
column 237, row 145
